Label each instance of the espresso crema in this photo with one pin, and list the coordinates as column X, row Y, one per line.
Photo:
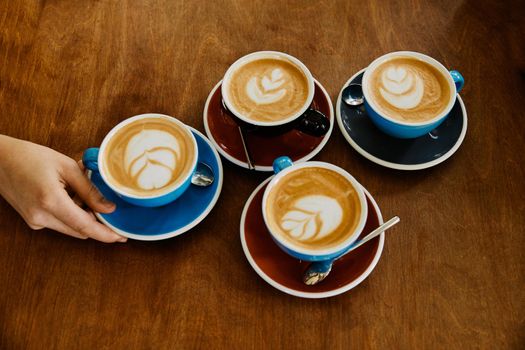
column 268, row 89
column 313, row 208
column 409, row 90
column 149, row 156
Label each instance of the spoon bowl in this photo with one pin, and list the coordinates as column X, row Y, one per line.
column 203, row 175
column 352, row 95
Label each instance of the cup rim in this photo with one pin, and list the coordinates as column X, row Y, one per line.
column 116, row 128
column 420, row 56
column 252, row 57
column 362, row 201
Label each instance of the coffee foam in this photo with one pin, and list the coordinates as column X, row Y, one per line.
column 313, row 208
column 409, row 90
column 268, row 89
column 149, row 156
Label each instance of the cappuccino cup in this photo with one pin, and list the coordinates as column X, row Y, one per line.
column 314, row 211
column 147, row 160
column 408, row 94
column 272, row 90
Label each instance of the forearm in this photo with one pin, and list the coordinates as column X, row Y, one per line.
column 6, row 146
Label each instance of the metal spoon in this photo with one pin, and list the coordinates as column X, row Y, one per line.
column 318, row 270
column 242, row 133
column 203, row 175
column 249, row 161
column 353, row 95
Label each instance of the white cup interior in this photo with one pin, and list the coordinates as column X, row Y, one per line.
column 318, row 252
column 260, row 55
column 102, row 155
column 419, row 56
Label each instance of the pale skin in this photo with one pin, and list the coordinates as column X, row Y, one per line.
column 34, row 179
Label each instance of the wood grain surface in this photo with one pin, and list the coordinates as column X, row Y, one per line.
column 452, row 274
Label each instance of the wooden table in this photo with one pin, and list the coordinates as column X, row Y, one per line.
column 451, row 274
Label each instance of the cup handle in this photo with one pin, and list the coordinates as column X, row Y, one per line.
column 313, row 123
column 281, row 163
column 458, row 79
column 90, row 158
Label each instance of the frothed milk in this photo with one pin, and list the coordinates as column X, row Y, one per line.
column 313, row 208
column 149, row 156
column 408, row 89
column 268, row 89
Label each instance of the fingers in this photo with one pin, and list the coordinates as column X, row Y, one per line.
column 77, row 200
column 59, row 226
column 87, row 191
column 47, row 220
column 82, row 222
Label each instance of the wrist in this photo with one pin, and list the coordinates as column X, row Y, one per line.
column 4, row 148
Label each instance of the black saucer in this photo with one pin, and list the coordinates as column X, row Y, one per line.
column 404, row 154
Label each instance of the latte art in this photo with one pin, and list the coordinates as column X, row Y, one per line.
column 268, row 89
column 313, row 207
column 312, row 218
column 408, row 89
column 402, row 87
column 149, row 156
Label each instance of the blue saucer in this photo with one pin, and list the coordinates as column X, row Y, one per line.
column 404, row 154
column 151, row 224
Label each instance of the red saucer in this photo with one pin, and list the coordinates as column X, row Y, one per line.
column 224, row 134
column 285, row 273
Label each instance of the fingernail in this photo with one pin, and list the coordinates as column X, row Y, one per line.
column 122, row 240
column 107, row 203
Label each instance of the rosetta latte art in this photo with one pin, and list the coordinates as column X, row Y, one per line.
column 312, row 217
column 402, row 88
column 151, row 158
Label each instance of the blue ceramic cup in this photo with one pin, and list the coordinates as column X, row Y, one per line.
column 283, row 166
column 95, row 159
column 395, row 127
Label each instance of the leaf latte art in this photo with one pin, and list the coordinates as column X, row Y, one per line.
column 313, row 207
column 149, row 156
column 312, row 217
column 408, row 89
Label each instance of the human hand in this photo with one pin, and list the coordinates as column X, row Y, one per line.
column 34, row 179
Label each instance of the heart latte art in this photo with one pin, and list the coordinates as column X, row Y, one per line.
column 409, row 90
column 402, row 88
column 148, row 156
column 313, row 207
column 268, row 89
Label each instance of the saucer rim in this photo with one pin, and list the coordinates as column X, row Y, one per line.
column 392, row 165
column 301, row 294
column 188, row 226
column 266, row 168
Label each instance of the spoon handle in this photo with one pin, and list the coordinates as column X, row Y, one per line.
column 242, row 132
column 376, row 232
column 319, row 270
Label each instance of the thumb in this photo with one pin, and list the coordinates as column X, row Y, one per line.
column 86, row 190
